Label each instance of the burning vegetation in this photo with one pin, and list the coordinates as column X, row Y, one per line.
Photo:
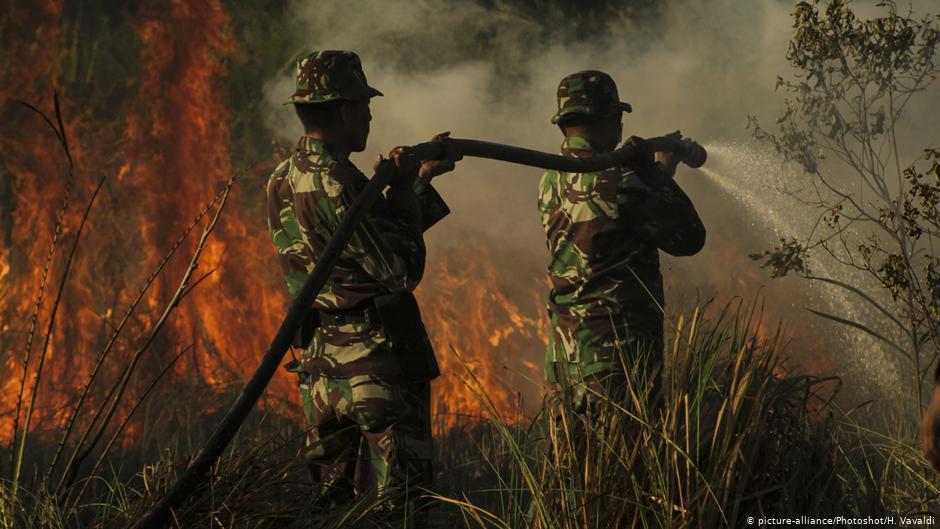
column 164, row 143
column 154, row 108
column 161, row 106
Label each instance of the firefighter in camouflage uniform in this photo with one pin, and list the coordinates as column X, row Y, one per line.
column 367, row 362
column 604, row 232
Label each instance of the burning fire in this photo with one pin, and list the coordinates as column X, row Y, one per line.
column 167, row 151
column 479, row 333
column 22, row 256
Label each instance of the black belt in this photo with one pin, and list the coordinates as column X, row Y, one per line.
column 363, row 314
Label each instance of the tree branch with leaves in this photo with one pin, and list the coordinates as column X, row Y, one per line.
column 854, row 79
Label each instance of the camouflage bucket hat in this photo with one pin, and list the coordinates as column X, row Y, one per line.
column 588, row 92
column 328, row 75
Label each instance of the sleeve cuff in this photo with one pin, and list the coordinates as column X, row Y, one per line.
column 433, row 207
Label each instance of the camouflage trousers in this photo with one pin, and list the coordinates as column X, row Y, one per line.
column 368, row 435
column 594, row 397
column 635, row 378
column 596, row 441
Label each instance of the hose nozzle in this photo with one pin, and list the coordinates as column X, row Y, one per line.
column 687, row 150
column 691, row 153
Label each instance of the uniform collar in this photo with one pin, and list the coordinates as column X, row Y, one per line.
column 314, row 146
column 577, row 146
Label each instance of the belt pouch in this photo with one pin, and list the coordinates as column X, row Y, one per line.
column 401, row 320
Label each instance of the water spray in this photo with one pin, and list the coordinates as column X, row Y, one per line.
column 632, row 151
column 755, row 177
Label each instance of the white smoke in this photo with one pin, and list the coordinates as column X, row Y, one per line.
column 485, row 73
column 691, row 72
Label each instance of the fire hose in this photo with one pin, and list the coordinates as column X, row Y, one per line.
column 446, row 148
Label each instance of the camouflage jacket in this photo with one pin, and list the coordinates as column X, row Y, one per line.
column 307, row 197
column 604, row 231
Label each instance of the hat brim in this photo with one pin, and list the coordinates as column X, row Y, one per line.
column 300, row 98
column 619, row 106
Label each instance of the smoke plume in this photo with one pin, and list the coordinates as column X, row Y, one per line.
column 491, row 73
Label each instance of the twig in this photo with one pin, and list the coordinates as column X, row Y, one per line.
column 16, row 453
column 52, row 317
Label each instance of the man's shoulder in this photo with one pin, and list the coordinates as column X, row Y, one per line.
column 280, row 172
column 316, row 172
column 596, row 186
column 549, row 178
column 316, row 163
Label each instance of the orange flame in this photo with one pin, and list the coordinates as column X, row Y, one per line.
column 39, row 182
column 479, row 333
column 168, row 150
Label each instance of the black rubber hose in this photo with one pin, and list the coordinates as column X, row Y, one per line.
column 627, row 153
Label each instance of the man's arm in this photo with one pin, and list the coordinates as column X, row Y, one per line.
column 285, row 231
column 930, row 425
column 655, row 207
column 433, row 207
